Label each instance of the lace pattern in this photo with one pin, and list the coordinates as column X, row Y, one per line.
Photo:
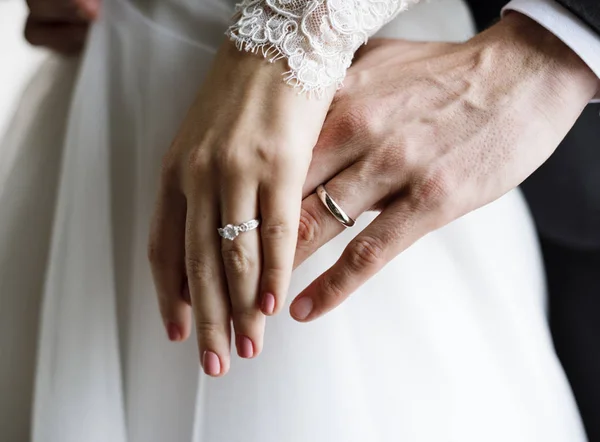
column 317, row 37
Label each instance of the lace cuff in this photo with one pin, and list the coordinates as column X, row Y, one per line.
column 317, row 37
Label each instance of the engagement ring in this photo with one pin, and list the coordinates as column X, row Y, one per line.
column 231, row 231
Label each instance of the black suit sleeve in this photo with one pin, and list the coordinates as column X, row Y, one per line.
column 485, row 11
column 587, row 10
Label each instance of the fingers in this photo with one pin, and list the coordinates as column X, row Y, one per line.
column 66, row 38
column 333, row 153
column 72, row 11
column 280, row 209
column 352, row 192
column 399, row 226
column 61, row 26
column 166, row 252
column 206, row 279
column 242, row 263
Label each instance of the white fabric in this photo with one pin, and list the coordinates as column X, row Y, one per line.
column 21, row 62
column 318, row 38
column 30, row 156
column 583, row 40
column 449, row 343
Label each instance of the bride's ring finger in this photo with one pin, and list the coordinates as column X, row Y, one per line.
column 240, row 250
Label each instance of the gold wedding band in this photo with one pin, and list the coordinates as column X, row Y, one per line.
column 337, row 212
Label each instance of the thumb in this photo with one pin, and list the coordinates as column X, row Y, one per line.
column 89, row 9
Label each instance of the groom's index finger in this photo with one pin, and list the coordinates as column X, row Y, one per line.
column 392, row 232
column 363, row 258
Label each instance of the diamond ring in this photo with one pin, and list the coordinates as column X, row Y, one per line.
column 231, row 231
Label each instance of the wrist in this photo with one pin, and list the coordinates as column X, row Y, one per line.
column 273, row 72
column 534, row 54
column 248, row 89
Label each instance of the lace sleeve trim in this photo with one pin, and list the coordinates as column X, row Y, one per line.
column 317, row 37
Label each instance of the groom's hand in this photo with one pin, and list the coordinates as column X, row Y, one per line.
column 426, row 132
column 60, row 25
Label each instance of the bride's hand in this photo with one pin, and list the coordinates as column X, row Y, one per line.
column 428, row 132
column 242, row 153
column 60, row 25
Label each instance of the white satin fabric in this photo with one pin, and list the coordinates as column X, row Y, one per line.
column 448, row 343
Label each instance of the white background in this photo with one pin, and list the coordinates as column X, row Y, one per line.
column 18, row 60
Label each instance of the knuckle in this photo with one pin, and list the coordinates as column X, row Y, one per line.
column 281, row 162
column 207, row 330
column 245, row 317
column 267, row 154
column 274, row 230
column 198, row 163
column 364, row 253
column 434, row 190
column 199, row 270
column 333, row 290
column 236, row 260
column 227, row 160
column 276, row 274
column 308, row 228
column 360, row 121
column 392, row 157
column 354, row 121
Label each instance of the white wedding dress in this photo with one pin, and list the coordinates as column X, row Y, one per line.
column 448, row 343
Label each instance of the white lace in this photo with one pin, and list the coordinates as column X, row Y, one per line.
column 317, row 37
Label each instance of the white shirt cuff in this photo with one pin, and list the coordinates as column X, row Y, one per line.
column 565, row 25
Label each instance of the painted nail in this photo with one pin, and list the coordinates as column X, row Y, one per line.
column 88, row 9
column 301, row 308
column 211, row 363
column 173, row 332
column 268, row 304
column 244, row 346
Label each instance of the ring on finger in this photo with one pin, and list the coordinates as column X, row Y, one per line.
column 333, row 207
column 232, row 231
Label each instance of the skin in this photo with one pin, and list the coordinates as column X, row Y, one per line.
column 244, row 149
column 425, row 133
column 422, row 132
column 60, row 25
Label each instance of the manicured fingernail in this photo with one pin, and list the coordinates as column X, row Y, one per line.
column 244, row 346
column 211, row 363
column 301, row 308
column 186, row 293
column 173, row 332
column 268, row 304
column 88, row 9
